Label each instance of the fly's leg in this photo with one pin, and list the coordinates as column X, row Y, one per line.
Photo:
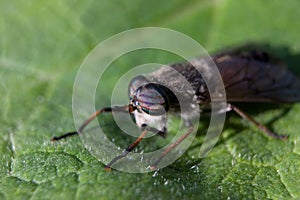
column 69, row 134
column 124, row 109
column 261, row 127
column 126, row 151
column 133, row 145
column 171, row 147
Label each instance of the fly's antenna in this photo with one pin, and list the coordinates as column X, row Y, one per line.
column 123, row 109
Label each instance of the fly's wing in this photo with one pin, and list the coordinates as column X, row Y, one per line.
column 256, row 78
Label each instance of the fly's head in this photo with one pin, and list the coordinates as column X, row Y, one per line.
column 148, row 103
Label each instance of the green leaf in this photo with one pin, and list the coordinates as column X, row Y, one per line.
column 43, row 43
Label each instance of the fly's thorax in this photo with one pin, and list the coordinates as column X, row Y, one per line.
column 185, row 81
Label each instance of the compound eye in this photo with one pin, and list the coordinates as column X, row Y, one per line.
column 135, row 83
column 151, row 99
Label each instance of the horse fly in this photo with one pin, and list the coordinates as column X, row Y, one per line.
column 248, row 76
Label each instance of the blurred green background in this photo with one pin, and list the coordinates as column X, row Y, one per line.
column 42, row 44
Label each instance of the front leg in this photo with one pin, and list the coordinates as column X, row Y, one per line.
column 145, row 130
column 172, row 146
